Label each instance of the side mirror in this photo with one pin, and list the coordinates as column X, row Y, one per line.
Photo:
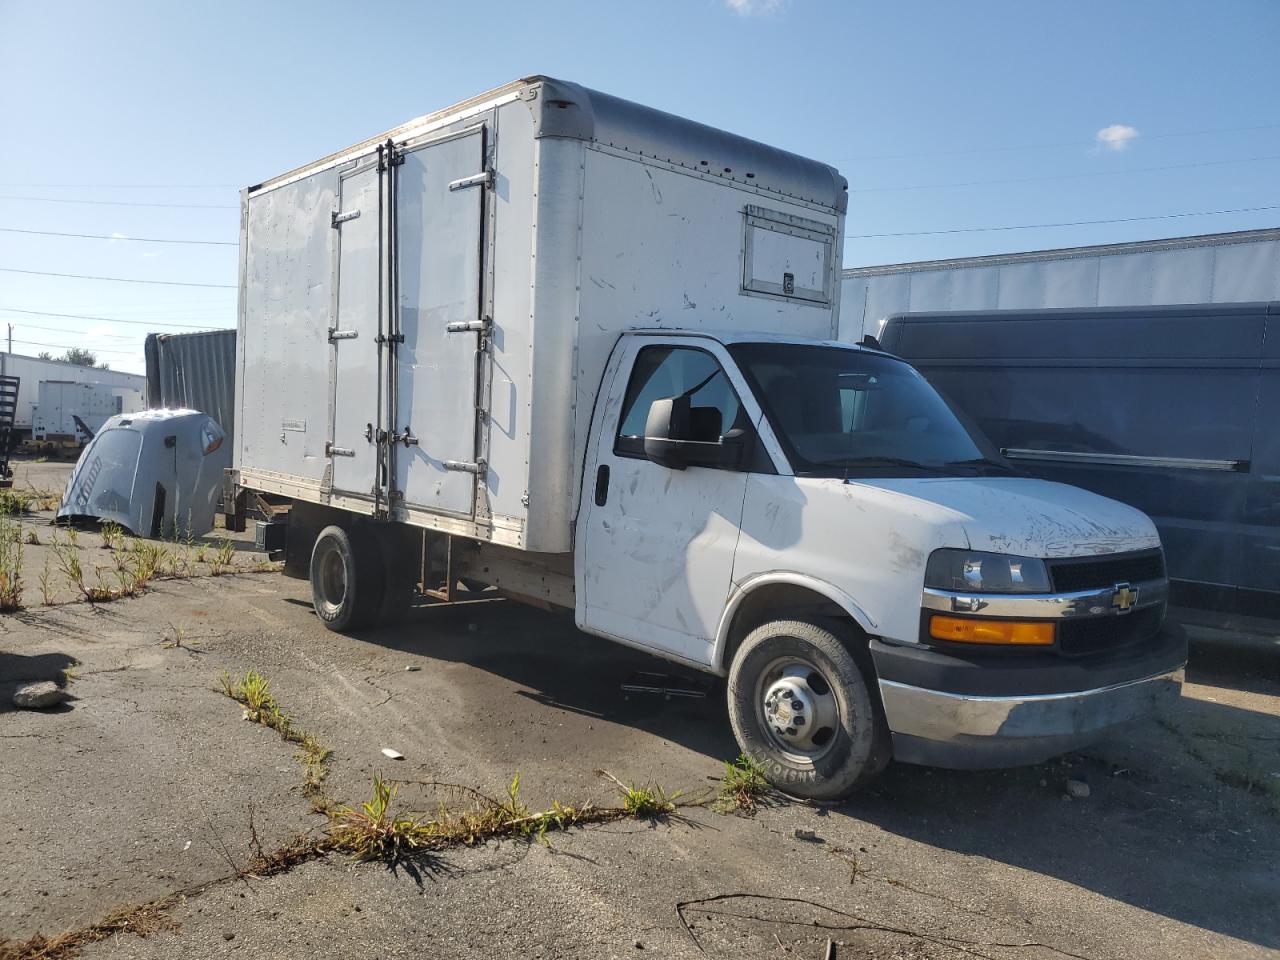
column 665, row 430
column 671, row 427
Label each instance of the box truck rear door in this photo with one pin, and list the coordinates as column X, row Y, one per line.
column 353, row 448
column 439, row 193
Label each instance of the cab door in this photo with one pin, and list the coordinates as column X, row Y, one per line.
column 654, row 557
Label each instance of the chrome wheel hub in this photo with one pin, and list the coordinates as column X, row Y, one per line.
column 333, row 579
column 798, row 709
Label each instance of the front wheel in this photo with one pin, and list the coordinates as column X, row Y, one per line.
column 802, row 707
column 346, row 578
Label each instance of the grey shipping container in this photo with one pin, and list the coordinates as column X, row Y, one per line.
column 193, row 371
column 1171, row 409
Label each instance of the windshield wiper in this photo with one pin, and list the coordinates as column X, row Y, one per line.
column 875, row 462
column 981, row 462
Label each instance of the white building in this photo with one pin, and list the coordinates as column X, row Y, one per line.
column 1240, row 267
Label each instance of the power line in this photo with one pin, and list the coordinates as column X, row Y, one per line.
column 81, row 276
column 124, row 186
column 86, row 316
column 1070, row 223
column 1065, row 176
column 128, row 203
column 177, row 313
column 1051, row 146
column 23, row 325
column 114, row 237
column 64, row 346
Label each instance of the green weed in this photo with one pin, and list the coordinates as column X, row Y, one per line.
column 743, row 786
column 112, row 534
column 372, row 831
column 223, row 556
column 10, row 566
column 647, row 802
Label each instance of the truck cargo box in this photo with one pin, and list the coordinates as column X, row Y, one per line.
column 425, row 317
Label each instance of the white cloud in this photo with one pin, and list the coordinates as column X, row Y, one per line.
column 1118, row 136
column 116, row 237
column 755, row 8
column 150, row 255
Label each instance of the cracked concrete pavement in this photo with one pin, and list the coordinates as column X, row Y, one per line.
column 145, row 782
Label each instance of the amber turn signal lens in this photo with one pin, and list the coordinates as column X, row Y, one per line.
column 1011, row 632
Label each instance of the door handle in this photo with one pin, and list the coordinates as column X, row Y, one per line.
column 602, row 484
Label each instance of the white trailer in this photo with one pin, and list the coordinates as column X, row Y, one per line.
column 582, row 352
column 71, row 412
column 1238, row 267
column 33, row 370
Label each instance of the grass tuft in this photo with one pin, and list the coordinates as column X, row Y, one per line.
column 372, row 831
column 112, row 534
column 644, row 802
column 10, row 564
column 743, row 787
column 223, row 556
column 253, row 692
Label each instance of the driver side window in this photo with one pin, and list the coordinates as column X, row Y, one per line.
column 666, row 371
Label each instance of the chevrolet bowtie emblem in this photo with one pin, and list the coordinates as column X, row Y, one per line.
column 1124, row 597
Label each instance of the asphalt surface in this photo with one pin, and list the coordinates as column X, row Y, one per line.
column 148, row 782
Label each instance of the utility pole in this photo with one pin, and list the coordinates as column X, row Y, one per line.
column 11, row 338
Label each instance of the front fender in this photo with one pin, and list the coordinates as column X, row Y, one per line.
column 741, row 591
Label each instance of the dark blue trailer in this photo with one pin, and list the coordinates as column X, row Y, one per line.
column 1173, row 409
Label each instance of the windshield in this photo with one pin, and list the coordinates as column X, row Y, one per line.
column 842, row 412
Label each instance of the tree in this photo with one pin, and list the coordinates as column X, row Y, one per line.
column 45, row 355
column 86, row 358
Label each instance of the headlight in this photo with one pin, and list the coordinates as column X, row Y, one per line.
column 211, row 437
column 972, row 570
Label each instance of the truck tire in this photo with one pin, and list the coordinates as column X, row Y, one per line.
column 803, row 707
column 346, row 578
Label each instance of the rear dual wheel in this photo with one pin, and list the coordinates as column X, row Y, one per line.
column 803, row 707
column 346, row 577
column 362, row 575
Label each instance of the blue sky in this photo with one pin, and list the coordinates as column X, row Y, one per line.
column 914, row 100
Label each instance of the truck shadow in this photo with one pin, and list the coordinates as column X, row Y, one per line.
column 561, row 668
column 1181, row 820
column 1182, row 817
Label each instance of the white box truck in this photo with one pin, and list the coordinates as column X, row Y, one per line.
column 579, row 351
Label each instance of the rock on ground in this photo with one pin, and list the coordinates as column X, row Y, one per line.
column 38, row 696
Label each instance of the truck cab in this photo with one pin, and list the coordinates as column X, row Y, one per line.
column 814, row 521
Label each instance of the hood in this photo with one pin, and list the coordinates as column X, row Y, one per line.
column 1028, row 517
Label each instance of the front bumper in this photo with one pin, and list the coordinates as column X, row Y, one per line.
column 979, row 712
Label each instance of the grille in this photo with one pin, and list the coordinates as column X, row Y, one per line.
column 1078, row 638
column 1098, row 572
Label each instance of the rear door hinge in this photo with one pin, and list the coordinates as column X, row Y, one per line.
column 337, row 218
column 483, row 325
column 343, row 335
column 331, row 451
column 482, row 179
column 466, row 466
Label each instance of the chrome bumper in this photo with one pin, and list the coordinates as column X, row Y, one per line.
column 972, row 732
